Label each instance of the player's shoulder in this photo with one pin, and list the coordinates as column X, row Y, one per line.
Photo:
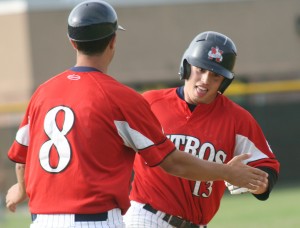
column 58, row 79
column 111, row 86
column 121, row 94
column 114, row 87
column 235, row 110
column 157, row 95
column 50, row 81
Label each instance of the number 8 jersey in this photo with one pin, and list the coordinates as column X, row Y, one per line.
column 79, row 137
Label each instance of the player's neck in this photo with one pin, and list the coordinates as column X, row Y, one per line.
column 92, row 61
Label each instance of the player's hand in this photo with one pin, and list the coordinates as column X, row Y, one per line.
column 235, row 190
column 15, row 195
column 244, row 176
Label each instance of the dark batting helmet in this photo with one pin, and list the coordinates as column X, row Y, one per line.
column 92, row 20
column 211, row 51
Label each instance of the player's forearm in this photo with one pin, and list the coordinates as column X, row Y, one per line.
column 16, row 193
column 20, row 171
column 189, row 167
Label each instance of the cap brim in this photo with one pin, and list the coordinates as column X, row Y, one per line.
column 121, row 28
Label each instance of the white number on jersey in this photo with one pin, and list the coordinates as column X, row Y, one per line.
column 193, row 146
column 57, row 139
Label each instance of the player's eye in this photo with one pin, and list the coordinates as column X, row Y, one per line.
column 216, row 75
column 199, row 69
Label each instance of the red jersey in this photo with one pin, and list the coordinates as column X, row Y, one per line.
column 214, row 132
column 79, row 137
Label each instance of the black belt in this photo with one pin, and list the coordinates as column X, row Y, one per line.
column 84, row 217
column 173, row 220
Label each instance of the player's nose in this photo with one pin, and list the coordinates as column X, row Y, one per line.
column 205, row 76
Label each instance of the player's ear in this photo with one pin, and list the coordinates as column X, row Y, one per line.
column 112, row 42
column 74, row 45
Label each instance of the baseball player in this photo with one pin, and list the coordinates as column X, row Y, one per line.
column 202, row 122
column 81, row 131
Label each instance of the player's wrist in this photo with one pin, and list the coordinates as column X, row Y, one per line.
column 226, row 172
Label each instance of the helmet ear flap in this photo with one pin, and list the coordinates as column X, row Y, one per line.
column 185, row 70
column 226, row 82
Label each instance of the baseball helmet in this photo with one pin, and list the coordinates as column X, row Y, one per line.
column 211, row 51
column 92, row 20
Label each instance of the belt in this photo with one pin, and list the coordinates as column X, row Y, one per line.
column 173, row 220
column 83, row 217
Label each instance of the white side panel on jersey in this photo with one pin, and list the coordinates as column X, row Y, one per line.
column 131, row 137
column 244, row 145
column 22, row 135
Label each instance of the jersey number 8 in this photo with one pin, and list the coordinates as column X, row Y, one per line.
column 57, row 138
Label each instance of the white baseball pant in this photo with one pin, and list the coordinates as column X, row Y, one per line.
column 113, row 220
column 138, row 217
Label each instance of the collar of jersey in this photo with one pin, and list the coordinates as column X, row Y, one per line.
column 180, row 93
column 83, row 69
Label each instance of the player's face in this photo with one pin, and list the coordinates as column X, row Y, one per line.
column 202, row 86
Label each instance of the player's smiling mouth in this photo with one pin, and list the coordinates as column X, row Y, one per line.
column 201, row 90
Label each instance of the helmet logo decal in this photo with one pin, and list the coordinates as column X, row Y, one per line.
column 215, row 53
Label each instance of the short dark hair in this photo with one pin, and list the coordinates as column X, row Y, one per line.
column 93, row 47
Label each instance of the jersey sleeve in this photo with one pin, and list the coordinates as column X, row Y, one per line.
column 251, row 139
column 18, row 149
column 140, row 130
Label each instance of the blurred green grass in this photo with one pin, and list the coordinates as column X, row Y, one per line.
column 281, row 210
column 20, row 219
